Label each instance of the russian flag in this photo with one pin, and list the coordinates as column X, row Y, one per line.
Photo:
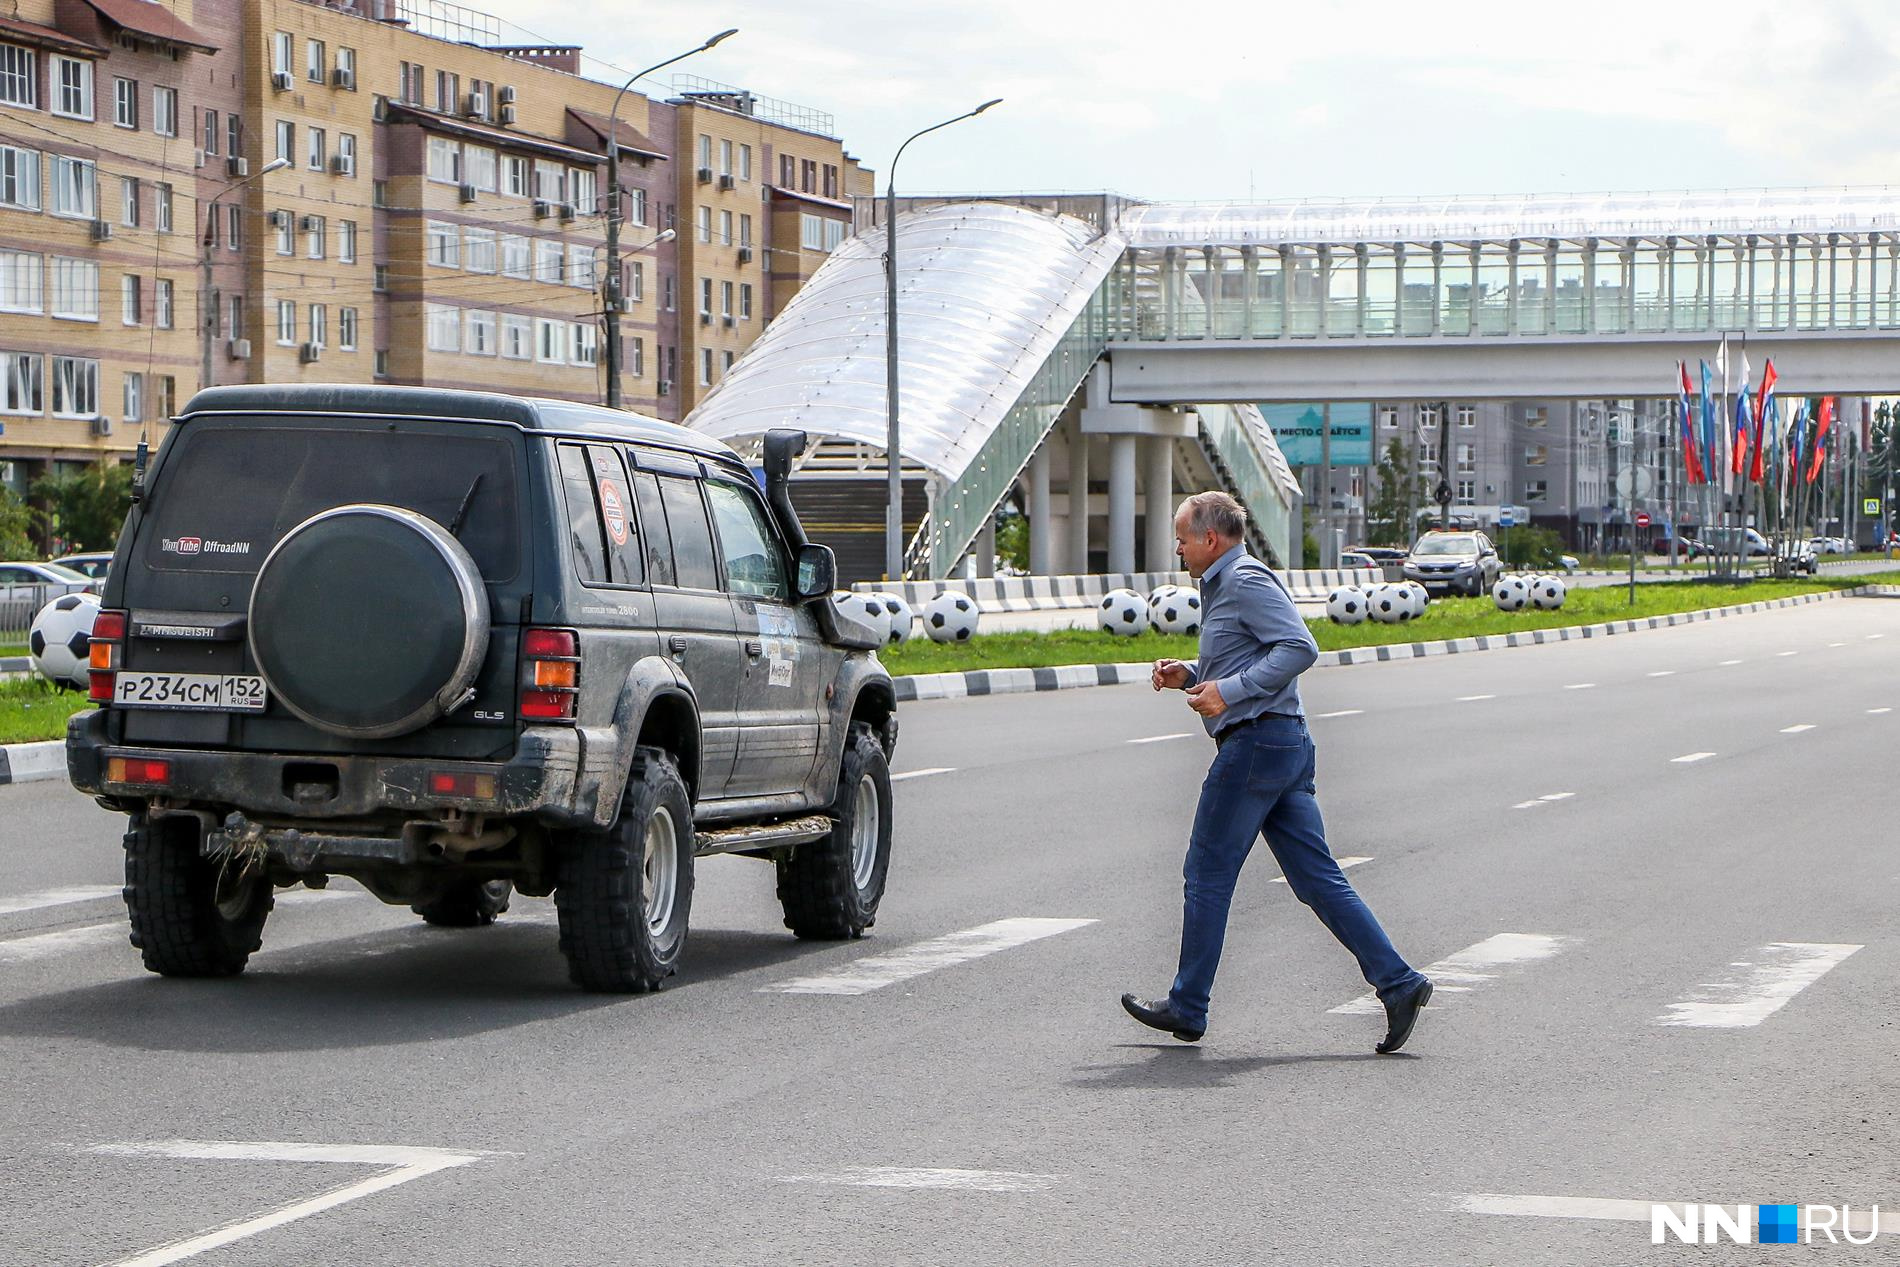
column 1691, row 466
column 1820, row 436
column 1764, row 403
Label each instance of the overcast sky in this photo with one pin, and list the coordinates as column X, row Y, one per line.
column 1223, row 100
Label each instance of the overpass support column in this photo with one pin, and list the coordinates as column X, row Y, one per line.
column 1039, row 516
column 1121, row 503
column 1078, row 562
column 1158, row 494
column 984, row 549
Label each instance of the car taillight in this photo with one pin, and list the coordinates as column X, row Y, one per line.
column 474, row 787
column 138, row 770
column 105, row 655
column 550, row 674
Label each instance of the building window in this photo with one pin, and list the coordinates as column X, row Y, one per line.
column 319, row 325
column 445, row 161
column 550, row 181
column 584, row 343
column 705, row 367
column 811, row 231
column 548, row 261
column 72, row 80
column 745, row 162
column 280, row 221
column 75, row 289
column 808, row 176
column 1467, row 415
column 726, row 366
column 315, row 149
column 583, row 186
column 134, row 393
column 211, row 132
column 131, row 307
column 1467, row 457
column 481, row 333
column 129, row 201
column 666, row 292
column 19, row 79
column 637, row 357
column 75, row 387
column 22, row 387
column 834, row 234
column 165, row 111
column 705, row 152
column 514, row 255
column 314, row 61
column 704, row 220
column 346, row 329
column 443, row 246
column 517, row 337
column 235, row 317
column 1537, row 491
column 1467, row 492
column 280, row 53
column 19, row 177
column 286, row 141
column 480, row 93
column 233, row 227
column 514, row 176
column 162, row 208
column 725, row 228
column 1388, row 417
column 162, row 303
column 636, row 288
column 831, row 180
column 410, row 88
column 22, row 282
column 346, row 241
column 550, row 340
column 233, row 135
column 745, row 300
column 125, row 103
column 745, row 230
column 75, row 187
column 479, row 162
column 1428, row 416
column 479, row 248
column 1536, row 454
column 286, row 322
column 1538, row 416
column 379, row 278
column 787, row 171
column 346, row 150
column 580, row 266
column 346, row 68
column 448, row 86
column 444, row 328
column 314, row 234
column 725, row 299
column 705, row 296
column 382, row 362
column 725, row 158
column 379, row 193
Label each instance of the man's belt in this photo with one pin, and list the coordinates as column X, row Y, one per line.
column 1222, row 736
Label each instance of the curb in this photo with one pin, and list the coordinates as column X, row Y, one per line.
column 31, row 762
column 16, row 664
column 928, row 686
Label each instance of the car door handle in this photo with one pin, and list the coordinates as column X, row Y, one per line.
column 754, row 648
column 676, row 644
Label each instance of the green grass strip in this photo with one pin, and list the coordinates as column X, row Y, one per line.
column 1444, row 619
column 33, row 709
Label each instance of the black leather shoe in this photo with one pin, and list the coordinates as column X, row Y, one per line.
column 1161, row 1015
column 1400, row 1017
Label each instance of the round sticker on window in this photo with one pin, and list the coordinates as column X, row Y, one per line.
column 614, row 508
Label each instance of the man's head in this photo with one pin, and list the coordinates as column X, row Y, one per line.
column 1207, row 526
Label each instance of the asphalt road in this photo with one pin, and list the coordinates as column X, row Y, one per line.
column 1524, row 815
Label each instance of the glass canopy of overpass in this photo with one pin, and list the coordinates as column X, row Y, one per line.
column 1613, row 264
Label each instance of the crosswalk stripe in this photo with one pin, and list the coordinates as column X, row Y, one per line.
column 922, row 1177
column 1795, row 730
column 1689, row 757
column 60, row 941
column 1663, row 673
column 56, row 897
column 1344, row 863
column 1161, row 738
column 874, row 972
column 1471, row 967
column 1467, row 699
column 918, row 774
column 1344, row 712
column 1778, row 972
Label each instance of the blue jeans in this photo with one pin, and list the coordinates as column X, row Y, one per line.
column 1261, row 784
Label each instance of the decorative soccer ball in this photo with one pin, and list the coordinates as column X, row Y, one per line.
column 1175, row 609
column 1511, row 593
column 60, row 641
column 866, row 609
column 950, row 617
column 1421, row 597
column 1548, row 592
column 1346, row 605
column 1122, row 612
column 1389, row 604
column 901, row 616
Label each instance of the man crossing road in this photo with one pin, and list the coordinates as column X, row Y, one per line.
column 1245, row 687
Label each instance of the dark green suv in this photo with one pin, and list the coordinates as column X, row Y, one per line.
column 453, row 644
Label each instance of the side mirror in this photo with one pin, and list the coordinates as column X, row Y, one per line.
column 817, row 571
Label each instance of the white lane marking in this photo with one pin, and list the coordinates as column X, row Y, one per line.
column 1466, row 699
column 874, row 972
column 1344, row 863
column 918, row 774
column 404, row 1164
column 1879, row 710
column 1779, row 654
column 1871, row 636
column 1859, row 1222
column 56, row 897
column 1836, row 644
column 1688, row 757
column 1345, row 712
column 60, row 941
column 1726, row 663
column 1162, row 738
column 921, row 1177
column 1664, row 673
column 1779, row 971
column 1797, row 729
column 1471, row 967
column 1580, row 686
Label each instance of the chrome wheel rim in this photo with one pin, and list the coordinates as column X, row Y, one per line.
column 864, row 832
column 660, row 869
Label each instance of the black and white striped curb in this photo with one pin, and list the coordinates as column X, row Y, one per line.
column 927, row 686
column 15, row 664
column 31, row 762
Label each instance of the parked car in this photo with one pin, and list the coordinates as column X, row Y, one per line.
column 1800, row 556
column 1381, row 555
column 1744, row 541
column 453, row 644
column 1568, row 562
column 1454, row 563
column 34, row 585
column 94, row 566
column 1689, row 547
column 1357, row 559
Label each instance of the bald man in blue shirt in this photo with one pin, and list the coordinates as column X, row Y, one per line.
column 1245, row 686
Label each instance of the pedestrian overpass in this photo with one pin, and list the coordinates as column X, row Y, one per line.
column 1047, row 342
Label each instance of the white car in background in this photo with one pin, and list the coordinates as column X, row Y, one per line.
column 41, row 582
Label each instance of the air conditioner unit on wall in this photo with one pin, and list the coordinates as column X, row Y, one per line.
column 280, row 219
column 239, row 349
column 197, row 158
column 342, row 165
column 705, row 318
column 280, row 81
column 343, row 77
column 309, row 224
column 666, row 387
column 102, row 230
column 745, row 255
column 507, row 95
column 705, row 175
column 468, row 193
column 542, row 208
column 310, row 353
column 101, row 425
column 236, row 166
column 473, row 107
column 567, row 211
column 507, row 115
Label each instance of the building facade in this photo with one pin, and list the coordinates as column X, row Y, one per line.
column 196, row 192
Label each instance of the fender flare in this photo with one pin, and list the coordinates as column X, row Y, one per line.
column 858, row 677
column 652, row 682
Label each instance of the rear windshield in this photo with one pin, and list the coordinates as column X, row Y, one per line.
column 230, row 492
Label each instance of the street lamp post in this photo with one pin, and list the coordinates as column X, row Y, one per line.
column 207, row 312
column 894, row 513
column 612, row 288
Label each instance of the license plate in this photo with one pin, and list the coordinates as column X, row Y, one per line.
column 203, row 692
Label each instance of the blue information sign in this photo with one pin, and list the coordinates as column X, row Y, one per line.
column 1296, row 428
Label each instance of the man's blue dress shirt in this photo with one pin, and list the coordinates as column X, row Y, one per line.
column 1253, row 643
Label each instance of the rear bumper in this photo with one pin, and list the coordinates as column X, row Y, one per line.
column 542, row 779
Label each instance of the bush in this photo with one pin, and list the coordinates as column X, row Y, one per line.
column 1530, row 547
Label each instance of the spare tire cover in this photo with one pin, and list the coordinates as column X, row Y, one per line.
column 369, row 621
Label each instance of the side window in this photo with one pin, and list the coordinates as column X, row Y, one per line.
column 693, row 557
column 616, row 513
column 754, row 563
column 653, row 530
column 583, row 519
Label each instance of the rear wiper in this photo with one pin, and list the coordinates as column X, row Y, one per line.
column 461, row 512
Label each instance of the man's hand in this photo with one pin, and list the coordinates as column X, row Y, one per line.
column 1170, row 675
column 1205, row 699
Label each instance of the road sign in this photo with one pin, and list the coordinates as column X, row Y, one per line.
column 1506, row 517
column 1634, row 481
column 1870, row 505
column 1642, row 519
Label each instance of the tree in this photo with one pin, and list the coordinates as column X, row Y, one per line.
column 1400, row 487
column 1012, row 539
column 16, row 522
column 85, row 510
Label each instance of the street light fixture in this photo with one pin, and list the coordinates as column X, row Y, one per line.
column 207, row 312
column 894, row 513
column 611, row 287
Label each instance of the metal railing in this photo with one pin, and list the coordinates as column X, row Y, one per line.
column 1229, row 435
